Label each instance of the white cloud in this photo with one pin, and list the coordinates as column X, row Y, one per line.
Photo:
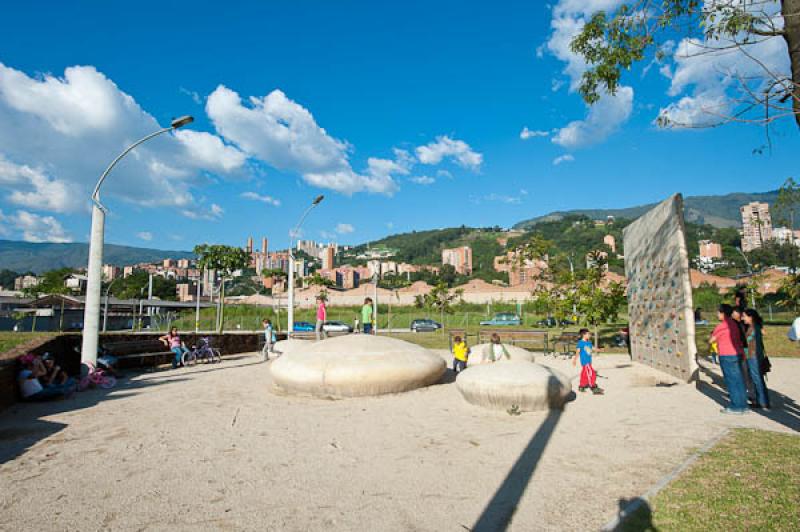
column 33, row 227
column 423, row 180
column 445, row 147
column 526, row 133
column 503, row 198
column 284, row 134
column 31, row 188
column 68, row 129
column 604, row 118
column 563, row 159
column 344, row 229
column 214, row 212
column 444, row 173
column 269, row 200
column 716, row 73
column 145, row 235
column 194, row 95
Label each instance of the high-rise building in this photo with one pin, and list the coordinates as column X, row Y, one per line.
column 110, row 272
column 127, row 271
column 710, row 250
column 184, row 263
column 611, row 242
column 328, row 258
column 264, row 245
column 756, row 225
column 250, row 244
column 459, row 258
column 169, row 263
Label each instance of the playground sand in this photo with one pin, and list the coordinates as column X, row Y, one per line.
column 211, row 448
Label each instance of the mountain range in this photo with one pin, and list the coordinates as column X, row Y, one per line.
column 41, row 257
column 718, row 211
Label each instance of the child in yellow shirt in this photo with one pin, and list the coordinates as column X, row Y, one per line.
column 460, row 354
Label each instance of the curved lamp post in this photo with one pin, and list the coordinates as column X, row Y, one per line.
column 91, row 316
column 292, row 235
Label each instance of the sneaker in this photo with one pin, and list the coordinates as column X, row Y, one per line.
column 732, row 411
column 582, row 388
column 597, row 390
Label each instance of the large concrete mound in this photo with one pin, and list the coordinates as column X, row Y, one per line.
column 480, row 352
column 284, row 347
column 503, row 385
column 355, row 366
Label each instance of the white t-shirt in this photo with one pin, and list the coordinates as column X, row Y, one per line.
column 27, row 385
column 794, row 330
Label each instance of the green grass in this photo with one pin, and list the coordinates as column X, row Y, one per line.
column 9, row 340
column 749, row 481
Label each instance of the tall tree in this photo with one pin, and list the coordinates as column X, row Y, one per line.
column 224, row 260
column 613, row 42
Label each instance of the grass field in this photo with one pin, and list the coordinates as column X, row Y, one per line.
column 749, row 481
column 10, row 340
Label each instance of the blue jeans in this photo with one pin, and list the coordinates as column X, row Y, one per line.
column 179, row 351
column 367, row 328
column 760, row 387
column 734, row 381
column 459, row 365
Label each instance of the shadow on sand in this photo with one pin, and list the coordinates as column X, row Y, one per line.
column 784, row 409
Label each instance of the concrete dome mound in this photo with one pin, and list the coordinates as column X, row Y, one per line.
column 516, row 353
column 503, row 385
column 284, row 347
column 355, row 366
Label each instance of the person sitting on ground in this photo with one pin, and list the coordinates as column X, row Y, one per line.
column 584, row 350
column 726, row 335
column 173, row 341
column 269, row 338
column 30, row 385
column 53, row 372
column 460, row 354
column 495, row 350
column 756, row 357
column 366, row 315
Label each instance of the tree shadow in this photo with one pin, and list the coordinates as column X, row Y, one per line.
column 501, row 508
column 785, row 410
column 22, row 425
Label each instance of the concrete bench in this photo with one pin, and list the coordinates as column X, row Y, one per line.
column 568, row 342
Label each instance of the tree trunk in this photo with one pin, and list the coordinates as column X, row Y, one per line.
column 791, row 20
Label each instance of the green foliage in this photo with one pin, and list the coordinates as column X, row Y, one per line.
column 318, row 280
column 135, row 286
column 223, row 259
column 7, row 279
column 788, row 203
column 707, row 297
column 51, row 282
column 244, row 285
column 789, row 292
column 612, row 42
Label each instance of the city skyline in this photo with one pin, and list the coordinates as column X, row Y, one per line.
column 446, row 130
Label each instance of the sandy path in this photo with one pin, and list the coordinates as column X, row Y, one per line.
column 210, row 448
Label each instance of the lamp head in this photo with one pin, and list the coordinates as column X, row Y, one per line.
column 318, row 200
column 181, row 121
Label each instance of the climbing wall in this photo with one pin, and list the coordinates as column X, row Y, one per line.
column 660, row 292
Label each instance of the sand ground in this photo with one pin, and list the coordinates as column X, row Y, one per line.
column 210, row 448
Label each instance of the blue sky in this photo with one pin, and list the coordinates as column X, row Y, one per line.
column 436, row 94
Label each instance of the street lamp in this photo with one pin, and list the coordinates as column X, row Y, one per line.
column 292, row 235
column 91, row 316
column 105, row 309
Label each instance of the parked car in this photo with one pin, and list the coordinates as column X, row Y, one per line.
column 425, row 326
column 503, row 318
column 303, row 326
column 336, row 326
column 552, row 322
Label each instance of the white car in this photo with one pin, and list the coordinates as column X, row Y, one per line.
column 336, row 326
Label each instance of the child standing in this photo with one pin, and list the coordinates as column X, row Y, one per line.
column 460, row 354
column 269, row 338
column 584, row 350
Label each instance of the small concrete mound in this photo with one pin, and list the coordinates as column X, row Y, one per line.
column 503, row 385
column 355, row 366
column 284, row 347
column 479, row 354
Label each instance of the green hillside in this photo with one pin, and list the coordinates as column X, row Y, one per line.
column 717, row 211
column 41, row 257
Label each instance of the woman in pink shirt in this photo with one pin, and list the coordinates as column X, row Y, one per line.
column 729, row 340
column 322, row 315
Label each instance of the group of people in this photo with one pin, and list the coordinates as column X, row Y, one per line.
column 493, row 352
column 737, row 345
column 41, row 378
